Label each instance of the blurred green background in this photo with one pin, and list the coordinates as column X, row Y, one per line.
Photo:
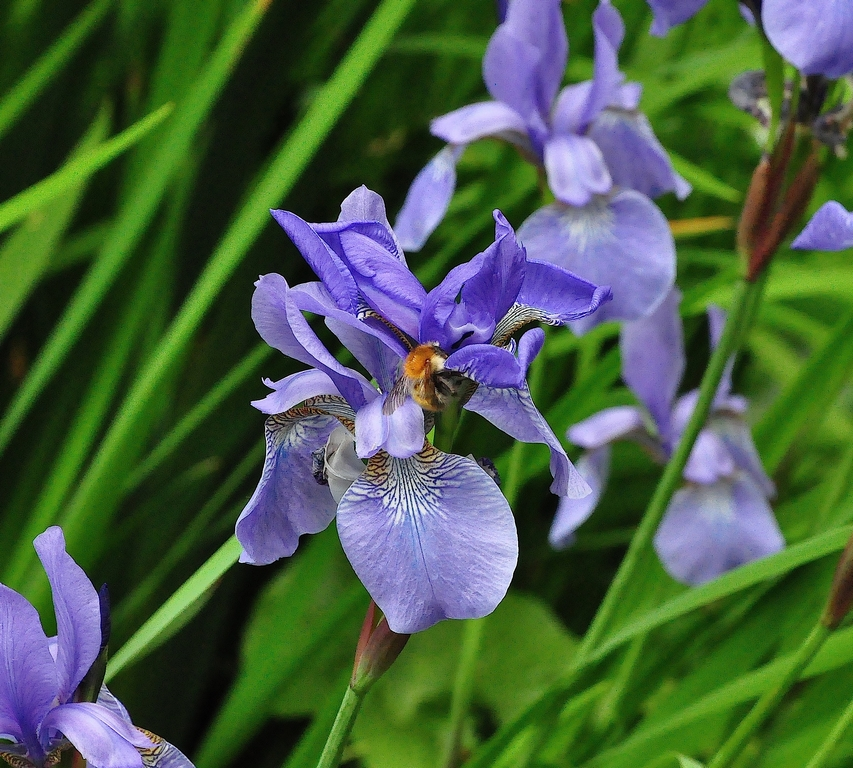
column 128, row 360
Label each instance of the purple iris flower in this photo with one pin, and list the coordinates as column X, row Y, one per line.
column 830, row 229
column 721, row 518
column 815, row 36
column 598, row 152
column 428, row 533
column 48, row 699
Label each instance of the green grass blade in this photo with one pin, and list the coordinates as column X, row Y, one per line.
column 288, row 164
column 136, row 214
column 16, row 101
column 170, row 615
column 77, row 170
column 704, row 181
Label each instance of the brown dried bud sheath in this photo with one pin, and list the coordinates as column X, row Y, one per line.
column 378, row 648
column 841, row 594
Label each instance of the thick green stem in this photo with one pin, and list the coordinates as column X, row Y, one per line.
column 744, row 302
column 765, row 706
column 341, row 729
column 463, row 688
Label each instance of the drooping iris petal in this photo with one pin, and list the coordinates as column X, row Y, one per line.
column 282, row 325
column 576, row 169
column 513, row 412
column 624, row 242
column 671, row 13
column 540, row 23
column 293, row 389
column 163, row 754
column 830, row 229
column 431, row 537
column 427, row 199
column 609, row 30
column 288, row 501
column 477, row 121
column 572, row 513
column 815, row 36
column 711, row 529
column 77, row 608
column 653, row 359
column 400, row 433
column 101, row 737
column 634, row 156
column 28, row 677
column 602, row 428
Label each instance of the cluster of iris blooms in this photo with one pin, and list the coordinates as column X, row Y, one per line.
column 429, row 532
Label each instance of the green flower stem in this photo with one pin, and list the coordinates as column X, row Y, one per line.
column 820, row 758
column 770, row 700
column 747, row 295
column 463, row 688
column 341, row 729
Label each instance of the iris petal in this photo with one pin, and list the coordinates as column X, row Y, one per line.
column 572, row 513
column 431, row 537
column 477, row 121
column 830, row 229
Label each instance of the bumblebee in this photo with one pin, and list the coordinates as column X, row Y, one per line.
column 425, row 378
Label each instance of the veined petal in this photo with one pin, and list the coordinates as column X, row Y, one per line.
column 634, row 156
column 830, row 229
column 711, row 529
column 513, row 411
column 477, row 121
column 618, row 423
column 572, row 513
column 281, row 325
column 101, row 737
column 431, row 537
column 400, row 433
column 624, row 242
column 77, row 608
column 28, row 676
column 162, row 754
column 294, row 389
column 576, row 169
column 288, row 501
column 653, row 360
column 670, row 13
column 427, row 199
column 817, row 36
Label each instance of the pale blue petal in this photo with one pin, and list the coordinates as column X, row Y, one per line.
column 572, row 513
column 830, row 229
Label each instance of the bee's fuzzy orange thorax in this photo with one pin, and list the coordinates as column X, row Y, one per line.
column 423, row 361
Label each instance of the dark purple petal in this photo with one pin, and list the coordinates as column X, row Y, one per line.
column 670, row 13
column 572, row 513
column 326, row 264
column 288, row 501
column 293, row 389
column 101, row 737
column 281, row 325
column 513, row 411
column 653, row 360
column 634, row 156
column 477, row 121
column 609, row 30
column 711, row 529
column 830, row 229
column 77, row 608
column 540, row 23
column 400, row 433
column 602, row 428
column 624, row 242
column 28, row 677
column 815, row 36
column 559, row 296
column 576, row 169
column 485, row 364
column 431, row 537
column 427, row 199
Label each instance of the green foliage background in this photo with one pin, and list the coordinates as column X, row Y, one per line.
column 128, row 360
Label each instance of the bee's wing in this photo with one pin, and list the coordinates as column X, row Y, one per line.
column 162, row 754
column 397, row 396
